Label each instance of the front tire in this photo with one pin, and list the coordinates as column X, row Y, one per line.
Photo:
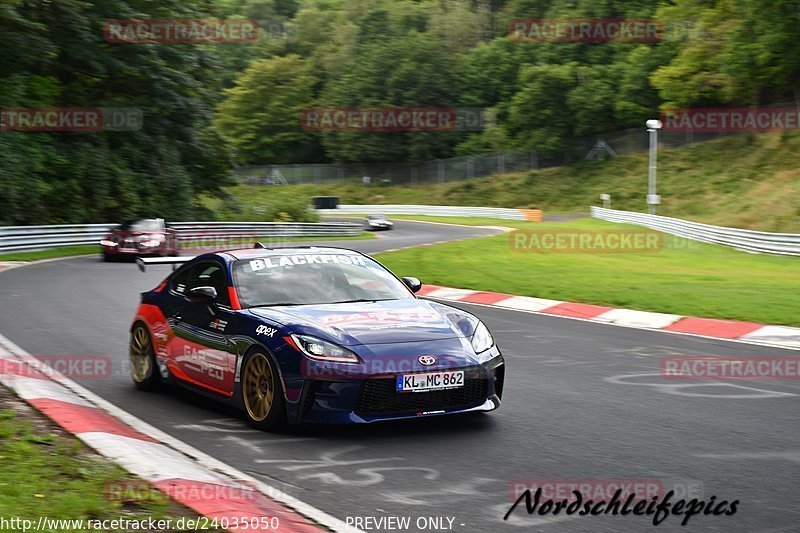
column 144, row 372
column 262, row 393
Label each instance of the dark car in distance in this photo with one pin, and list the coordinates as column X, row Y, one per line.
column 139, row 237
column 377, row 222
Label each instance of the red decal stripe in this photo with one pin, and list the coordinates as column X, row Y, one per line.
column 180, row 374
column 290, row 342
column 234, row 298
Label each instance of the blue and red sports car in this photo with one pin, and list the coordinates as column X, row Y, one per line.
column 311, row 334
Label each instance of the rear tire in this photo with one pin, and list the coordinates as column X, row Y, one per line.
column 262, row 393
column 144, row 371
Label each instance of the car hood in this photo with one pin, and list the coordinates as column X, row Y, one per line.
column 381, row 322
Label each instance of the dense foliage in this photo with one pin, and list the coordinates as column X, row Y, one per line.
column 53, row 55
column 208, row 106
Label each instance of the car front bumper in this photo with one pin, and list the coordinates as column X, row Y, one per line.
column 339, row 400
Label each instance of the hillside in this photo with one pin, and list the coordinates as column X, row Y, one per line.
column 749, row 181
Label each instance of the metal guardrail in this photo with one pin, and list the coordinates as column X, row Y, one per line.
column 437, row 211
column 20, row 238
column 741, row 239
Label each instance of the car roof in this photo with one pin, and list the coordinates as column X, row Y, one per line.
column 251, row 253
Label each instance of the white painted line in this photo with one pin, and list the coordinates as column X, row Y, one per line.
column 642, row 319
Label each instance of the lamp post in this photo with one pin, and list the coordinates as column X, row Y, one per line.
column 653, row 199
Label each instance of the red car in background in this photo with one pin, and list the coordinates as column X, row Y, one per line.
column 140, row 237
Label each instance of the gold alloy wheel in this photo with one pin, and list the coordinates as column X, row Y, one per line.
column 257, row 387
column 140, row 354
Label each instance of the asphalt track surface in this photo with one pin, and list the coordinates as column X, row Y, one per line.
column 583, row 401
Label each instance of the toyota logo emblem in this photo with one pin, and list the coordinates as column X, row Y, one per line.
column 427, row 360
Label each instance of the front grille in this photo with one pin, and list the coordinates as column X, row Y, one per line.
column 380, row 396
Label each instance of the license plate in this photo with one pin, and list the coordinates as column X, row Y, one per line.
column 430, row 381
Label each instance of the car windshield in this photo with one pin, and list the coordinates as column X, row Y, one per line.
column 314, row 278
column 141, row 225
column 376, row 217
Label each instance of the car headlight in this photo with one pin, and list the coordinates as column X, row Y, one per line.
column 150, row 244
column 482, row 340
column 323, row 350
column 106, row 242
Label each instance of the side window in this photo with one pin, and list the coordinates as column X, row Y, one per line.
column 178, row 283
column 209, row 274
column 206, row 274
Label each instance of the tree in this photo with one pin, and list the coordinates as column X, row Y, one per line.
column 539, row 114
column 261, row 114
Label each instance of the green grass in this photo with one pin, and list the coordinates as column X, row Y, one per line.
column 65, row 251
column 749, row 181
column 696, row 279
column 44, row 472
column 468, row 221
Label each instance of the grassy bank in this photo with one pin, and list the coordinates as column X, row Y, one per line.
column 46, row 472
column 749, row 181
column 53, row 253
column 686, row 278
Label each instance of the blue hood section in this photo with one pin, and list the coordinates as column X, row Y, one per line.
column 383, row 322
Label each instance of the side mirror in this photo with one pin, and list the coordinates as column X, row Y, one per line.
column 202, row 295
column 413, row 283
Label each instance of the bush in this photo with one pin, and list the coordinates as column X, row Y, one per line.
column 265, row 204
